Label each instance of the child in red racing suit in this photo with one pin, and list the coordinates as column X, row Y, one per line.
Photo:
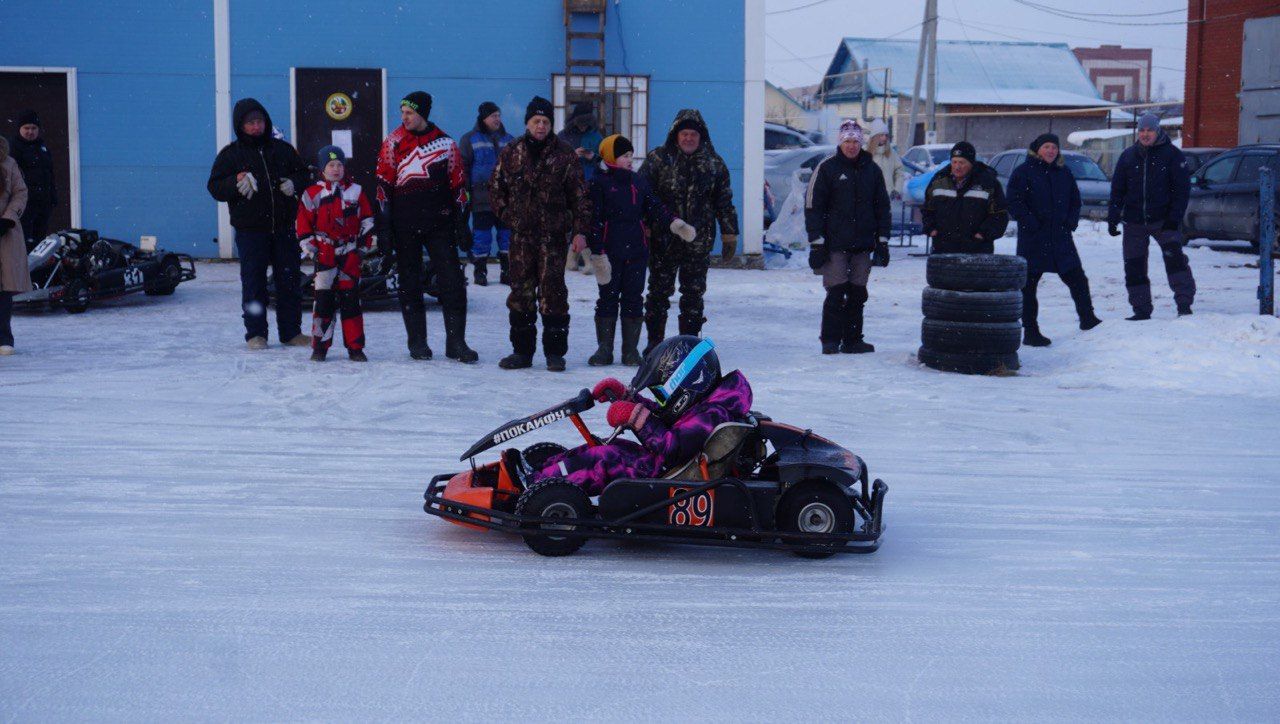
column 335, row 224
column 691, row 399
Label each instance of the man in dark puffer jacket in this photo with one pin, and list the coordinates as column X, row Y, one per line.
column 964, row 208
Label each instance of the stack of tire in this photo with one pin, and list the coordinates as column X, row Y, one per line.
column 973, row 313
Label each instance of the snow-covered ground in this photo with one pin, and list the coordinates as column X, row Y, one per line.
column 189, row 530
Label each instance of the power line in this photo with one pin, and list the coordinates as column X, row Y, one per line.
column 1071, row 15
column 798, row 7
column 1105, row 15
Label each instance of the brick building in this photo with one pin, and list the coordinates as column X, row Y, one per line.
column 1121, row 75
column 1215, row 39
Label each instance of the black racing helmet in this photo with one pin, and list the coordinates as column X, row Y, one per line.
column 679, row 372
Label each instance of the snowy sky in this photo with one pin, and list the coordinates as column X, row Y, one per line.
column 799, row 44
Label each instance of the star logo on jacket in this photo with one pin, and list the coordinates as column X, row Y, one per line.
column 843, row 178
column 418, row 163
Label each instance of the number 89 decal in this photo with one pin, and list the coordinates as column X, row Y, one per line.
column 697, row 511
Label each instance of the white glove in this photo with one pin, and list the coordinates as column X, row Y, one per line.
column 683, row 230
column 307, row 246
column 286, row 187
column 603, row 270
column 247, row 185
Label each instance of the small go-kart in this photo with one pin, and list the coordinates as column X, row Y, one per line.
column 379, row 281
column 75, row 267
column 756, row 484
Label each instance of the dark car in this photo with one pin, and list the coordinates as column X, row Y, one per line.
column 1224, row 194
column 1095, row 189
column 1197, row 157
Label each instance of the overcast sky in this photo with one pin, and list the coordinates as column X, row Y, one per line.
column 813, row 33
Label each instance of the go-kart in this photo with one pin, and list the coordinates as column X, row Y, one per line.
column 756, row 484
column 74, row 267
column 379, row 281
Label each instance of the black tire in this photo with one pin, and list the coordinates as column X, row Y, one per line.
column 815, row 506
column 76, row 297
column 979, row 337
column 167, row 280
column 536, row 455
column 553, row 498
column 976, row 272
column 969, row 363
column 951, row 306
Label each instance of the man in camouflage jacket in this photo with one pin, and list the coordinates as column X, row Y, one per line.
column 537, row 190
column 693, row 183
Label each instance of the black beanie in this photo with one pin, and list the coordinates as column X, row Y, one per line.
column 28, row 117
column 1042, row 139
column 420, row 102
column 485, row 110
column 965, row 150
column 539, row 106
column 688, row 124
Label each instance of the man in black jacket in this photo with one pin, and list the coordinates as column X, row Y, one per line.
column 260, row 178
column 964, row 209
column 846, row 214
column 28, row 149
column 1149, row 193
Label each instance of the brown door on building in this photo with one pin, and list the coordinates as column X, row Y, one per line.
column 46, row 94
column 343, row 107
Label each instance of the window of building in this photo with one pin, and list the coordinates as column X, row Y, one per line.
column 623, row 107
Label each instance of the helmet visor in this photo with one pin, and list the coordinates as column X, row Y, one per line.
column 662, row 393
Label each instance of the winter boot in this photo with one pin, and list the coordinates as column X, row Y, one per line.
column 587, row 267
column 318, row 355
column 1031, row 337
column 1184, row 310
column 415, row 327
column 357, row 355
column 1139, row 317
column 555, row 340
column 482, row 271
column 605, row 328
column 691, row 324
column 455, row 336
column 524, row 338
column 852, row 342
column 1078, row 284
column 657, row 328
column 504, row 275
column 832, row 329
column 631, row 341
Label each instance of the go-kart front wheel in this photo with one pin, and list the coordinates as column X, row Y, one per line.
column 553, row 498
column 815, row 507
column 167, row 280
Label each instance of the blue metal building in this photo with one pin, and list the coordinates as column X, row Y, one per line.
column 147, row 86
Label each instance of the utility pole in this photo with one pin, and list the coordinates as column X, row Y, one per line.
column 915, row 93
column 931, row 8
column 928, row 46
column 866, row 69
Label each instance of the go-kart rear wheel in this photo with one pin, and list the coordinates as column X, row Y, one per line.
column 76, row 297
column 815, row 507
column 167, row 279
column 536, row 455
column 553, row 498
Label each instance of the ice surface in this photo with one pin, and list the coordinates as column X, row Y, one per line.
column 191, row 530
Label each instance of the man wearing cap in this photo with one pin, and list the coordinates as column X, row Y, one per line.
column 1149, row 193
column 846, row 213
column 537, row 190
column 28, row 149
column 692, row 182
column 479, row 148
column 423, row 195
column 964, row 210
column 260, row 177
column 1045, row 201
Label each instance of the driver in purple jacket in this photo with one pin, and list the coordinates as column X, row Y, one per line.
column 691, row 398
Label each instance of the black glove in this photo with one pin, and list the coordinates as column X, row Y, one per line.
column 462, row 232
column 1170, row 226
column 880, row 254
column 1113, row 229
column 818, row 256
column 5, row 225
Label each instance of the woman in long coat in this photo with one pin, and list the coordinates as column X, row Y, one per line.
column 1045, row 201
column 14, row 277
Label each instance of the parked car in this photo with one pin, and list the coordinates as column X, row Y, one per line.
column 1224, row 194
column 778, row 137
column 1095, row 189
column 780, row 169
column 1197, row 157
column 927, row 156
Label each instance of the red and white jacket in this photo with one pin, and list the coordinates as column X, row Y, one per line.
column 421, row 176
column 336, row 214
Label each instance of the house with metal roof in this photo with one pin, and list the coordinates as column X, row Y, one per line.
column 995, row 94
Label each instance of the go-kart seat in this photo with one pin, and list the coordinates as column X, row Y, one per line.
column 720, row 452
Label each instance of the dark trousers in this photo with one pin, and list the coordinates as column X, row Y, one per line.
column 35, row 224
column 537, row 276
column 625, row 288
column 1076, row 282
column 439, row 243
column 259, row 250
column 6, row 314
column 1136, row 242
column 689, row 263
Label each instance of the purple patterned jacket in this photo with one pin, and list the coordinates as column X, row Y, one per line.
column 729, row 401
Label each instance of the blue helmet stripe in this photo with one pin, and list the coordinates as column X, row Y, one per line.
column 690, row 362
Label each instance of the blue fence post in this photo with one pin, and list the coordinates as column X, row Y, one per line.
column 1267, row 229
